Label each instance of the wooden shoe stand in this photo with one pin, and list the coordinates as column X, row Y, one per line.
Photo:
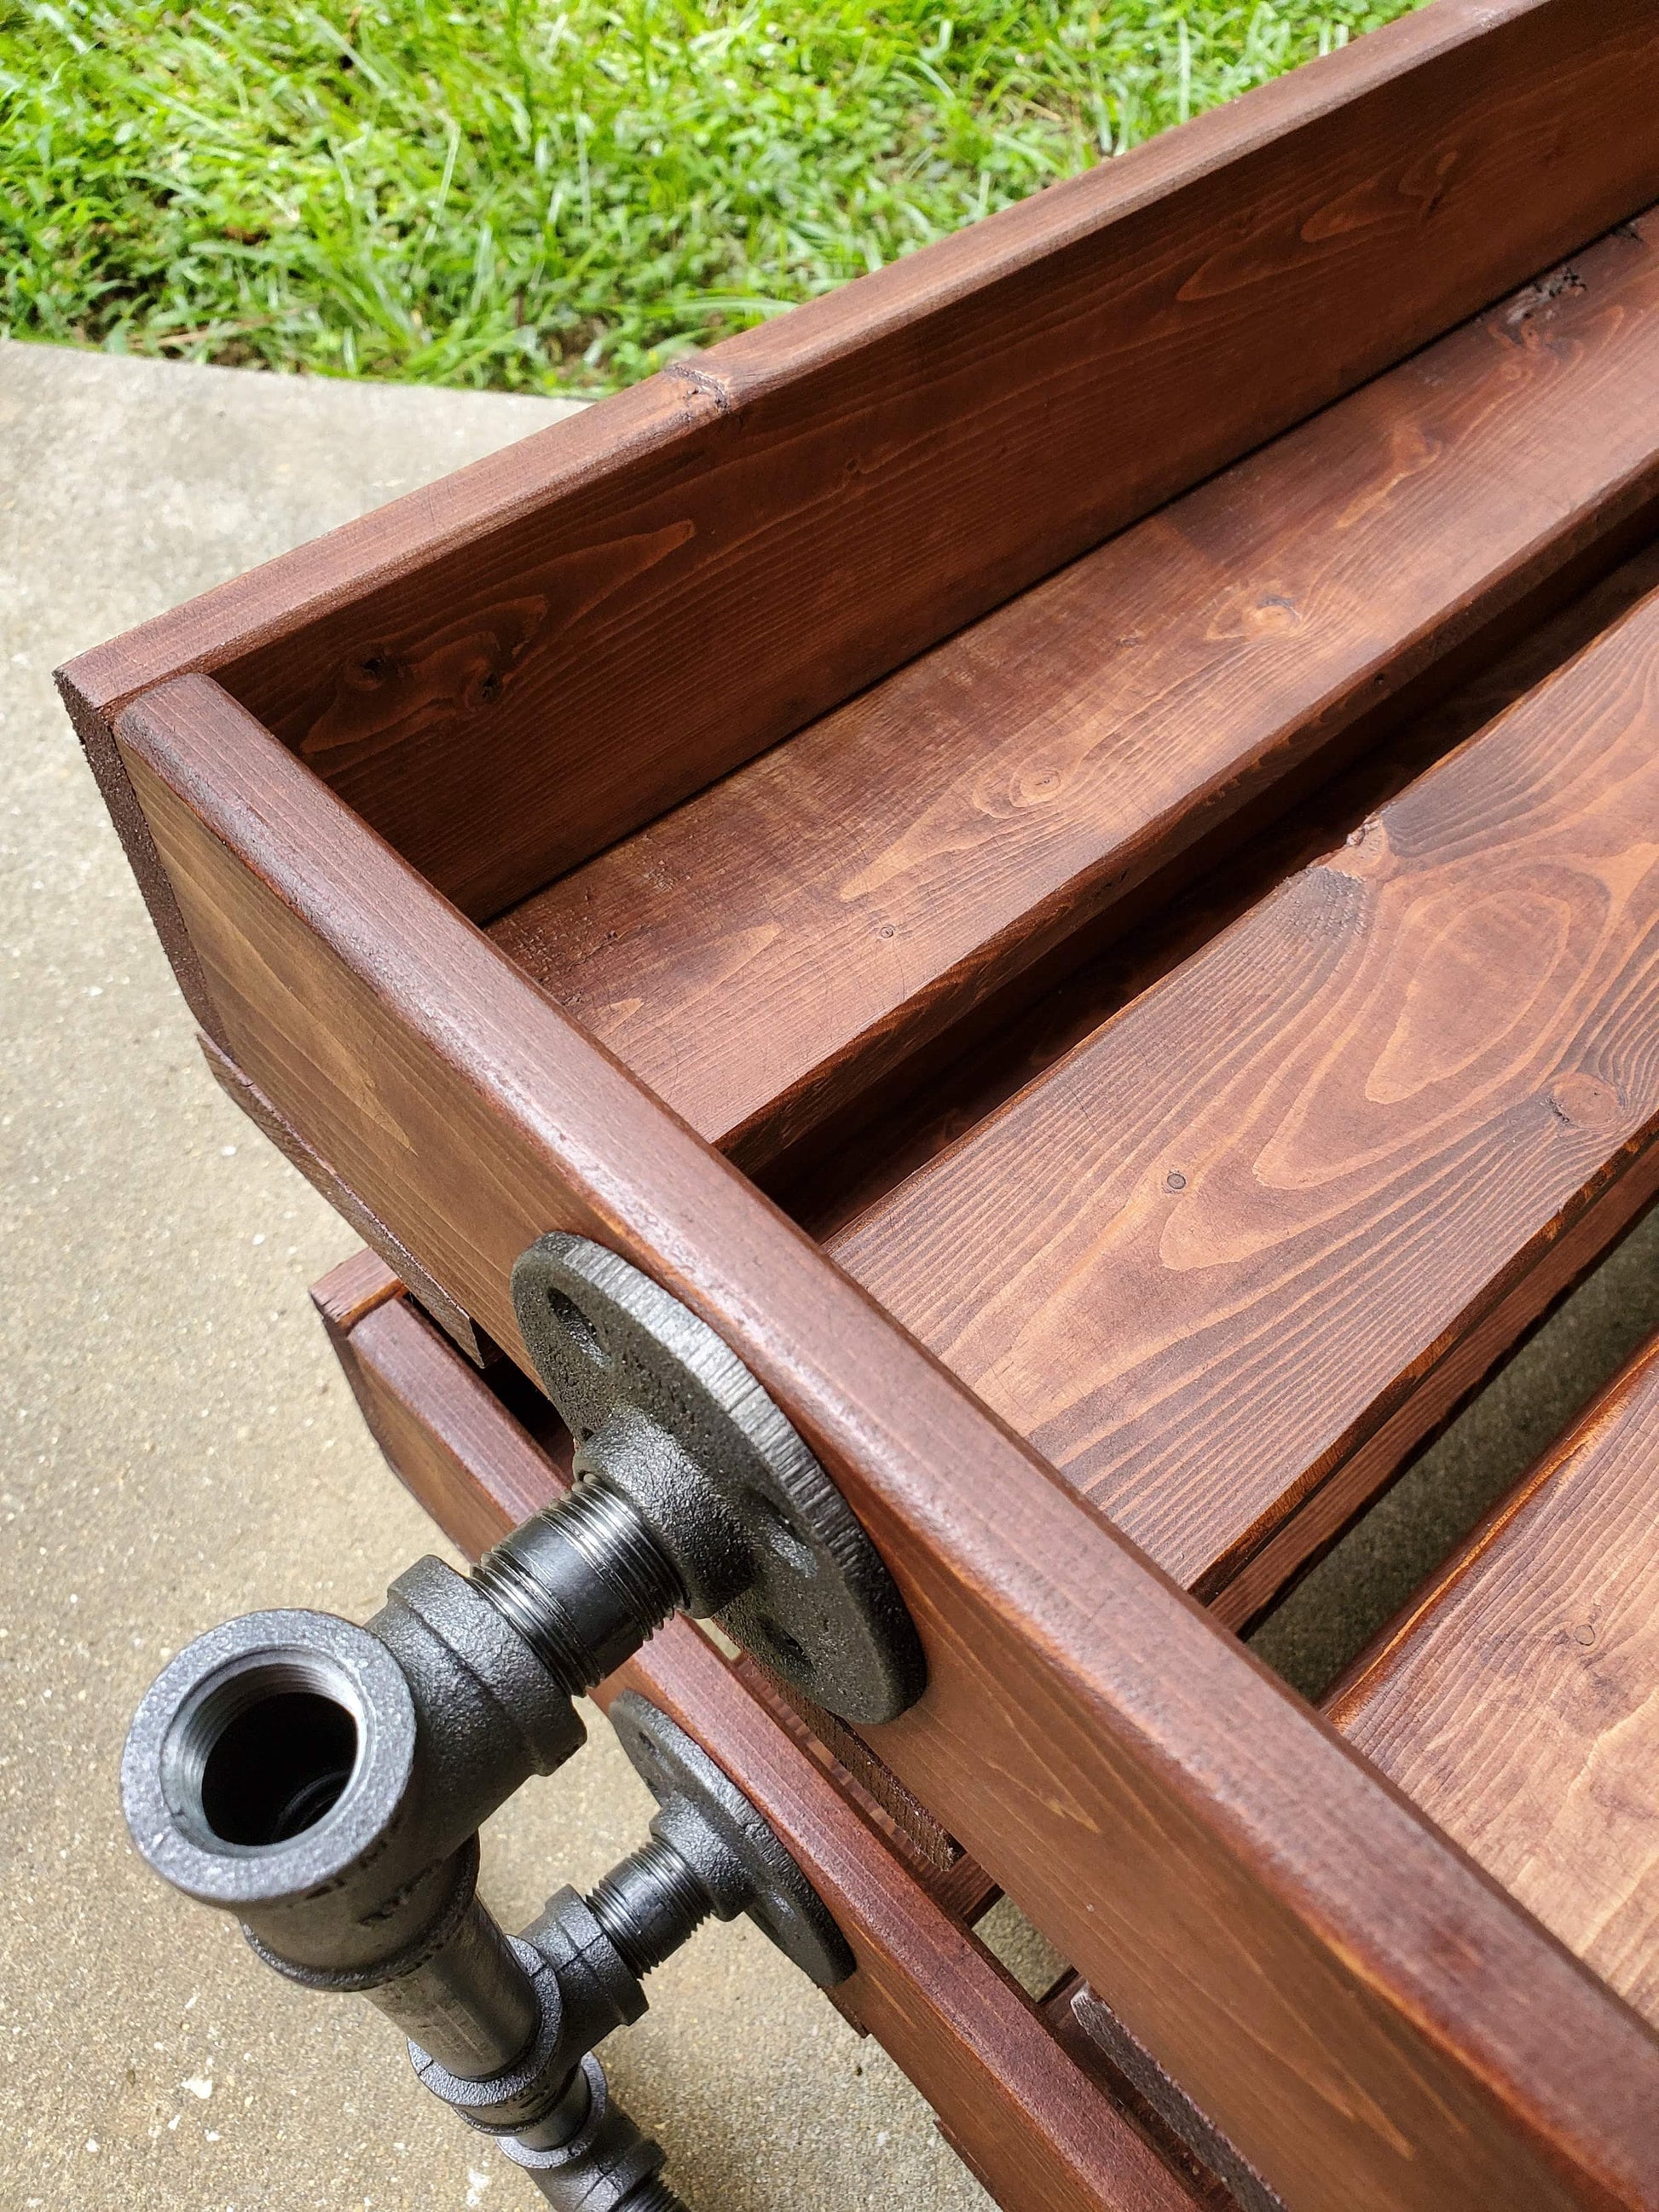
column 1062, row 844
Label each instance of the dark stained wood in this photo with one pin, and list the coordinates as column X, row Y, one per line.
column 1253, row 1239
column 507, row 671
column 443, row 1430
column 93, row 727
column 1068, row 2031
column 348, row 1293
column 967, row 1893
column 400, row 1263
column 1037, row 2131
column 763, row 953
column 1024, row 2112
column 1295, row 1945
column 1209, row 2149
column 965, row 1888
column 1518, row 1701
column 851, row 1169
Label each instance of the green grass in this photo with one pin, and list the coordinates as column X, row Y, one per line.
column 543, row 197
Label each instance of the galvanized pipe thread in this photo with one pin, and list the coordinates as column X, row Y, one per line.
column 585, row 1583
column 648, row 1905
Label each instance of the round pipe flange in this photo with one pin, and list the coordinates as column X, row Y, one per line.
column 665, row 1416
column 738, row 1859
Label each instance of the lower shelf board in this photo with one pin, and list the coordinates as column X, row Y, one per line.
column 1518, row 1701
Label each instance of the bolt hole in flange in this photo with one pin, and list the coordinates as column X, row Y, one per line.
column 578, row 1327
column 780, row 1646
column 756, row 1532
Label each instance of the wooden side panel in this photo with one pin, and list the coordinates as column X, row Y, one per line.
column 505, row 673
column 1331, row 1982
column 1043, row 2139
column 447, row 1435
column 1517, row 1702
column 761, row 955
column 1260, row 1220
column 344, row 1200
column 1031, row 2123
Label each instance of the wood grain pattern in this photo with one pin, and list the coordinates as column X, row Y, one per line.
column 1190, row 2127
column 1027, row 2115
column 769, row 950
column 1207, row 1257
column 398, row 1261
column 446, row 1433
column 505, row 672
column 845, row 1178
column 1296, row 1946
column 1518, row 1701
column 1057, row 2010
column 349, row 1292
column 1041, row 2136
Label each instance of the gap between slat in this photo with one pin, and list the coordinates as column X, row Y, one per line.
column 771, row 950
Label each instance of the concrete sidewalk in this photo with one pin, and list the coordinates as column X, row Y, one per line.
column 182, row 1447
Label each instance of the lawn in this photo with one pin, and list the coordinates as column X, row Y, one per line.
column 550, row 198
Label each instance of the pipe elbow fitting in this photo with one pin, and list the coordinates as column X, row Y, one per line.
column 324, row 1782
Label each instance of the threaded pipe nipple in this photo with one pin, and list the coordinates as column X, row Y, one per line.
column 649, row 1905
column 584, row 1582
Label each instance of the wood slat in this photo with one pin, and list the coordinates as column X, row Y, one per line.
column 1025, row 2112
column 507, row 671
column 1297, row 1946
column 1057, row 2008
column 1240, row 2184
column 780, row 942
column 444, row 1430
column 1517, row 1700
column 1231, row 1256
column 939, row 1106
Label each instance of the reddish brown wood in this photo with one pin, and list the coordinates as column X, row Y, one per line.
column 1290, row 1941
column 507, row 671
column 964, row 1888
column 351, row 1291
column 1068, row 2031
column 1517, row 1700
column 93, row 728
column 1252, row 1240
column 400, row 1264
column 843, row 1178
column 1025, row 2112
column 444, row 1430
column 761, row 955
column 1179, row 2127
column 1041, row 2136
